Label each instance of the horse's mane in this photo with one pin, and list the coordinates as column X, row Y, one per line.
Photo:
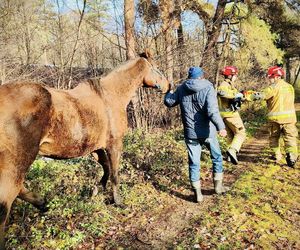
column 96, row 83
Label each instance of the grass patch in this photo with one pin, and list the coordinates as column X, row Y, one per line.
column 153, row 165
column 74, row 216
column 262, row 211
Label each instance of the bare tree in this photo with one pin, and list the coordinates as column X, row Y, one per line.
column 129, row 28
column 81, row 12
column 129, row 14
column 180, row 37
column 209, row 57
column 167, row 8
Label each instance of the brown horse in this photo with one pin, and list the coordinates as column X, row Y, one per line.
column 62, row 124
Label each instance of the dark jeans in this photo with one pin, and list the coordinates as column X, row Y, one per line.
column 194, row 147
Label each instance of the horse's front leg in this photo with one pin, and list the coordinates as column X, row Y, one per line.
column 114, row 154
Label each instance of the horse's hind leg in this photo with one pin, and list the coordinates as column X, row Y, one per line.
column 4, row 211
column 3, row 215
column 104, row 161
column 9, row 188
column 33, row 198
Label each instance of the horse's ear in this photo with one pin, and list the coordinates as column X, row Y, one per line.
column 147, row 54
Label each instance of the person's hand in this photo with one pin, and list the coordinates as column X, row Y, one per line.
column 223, row 133
column 172, row 86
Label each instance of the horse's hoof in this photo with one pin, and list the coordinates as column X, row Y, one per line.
column 104, row 189
column 103, row 184
column 43, row 208
column 120, row 205
column 118, row 202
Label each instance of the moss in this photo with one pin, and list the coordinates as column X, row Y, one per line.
column 256, row 211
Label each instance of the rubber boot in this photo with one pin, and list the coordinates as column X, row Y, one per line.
column 196, row 185
column 218, row 184
column 231, row 152
column 291, row 161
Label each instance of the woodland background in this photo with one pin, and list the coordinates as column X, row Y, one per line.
column 60, row 42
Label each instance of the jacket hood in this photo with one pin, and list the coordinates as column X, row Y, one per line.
column 195, row 85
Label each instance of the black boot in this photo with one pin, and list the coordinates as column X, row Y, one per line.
column 196, row 185
column 218, row 184
column 291, row 161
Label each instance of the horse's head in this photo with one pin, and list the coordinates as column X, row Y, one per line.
column 154, row 78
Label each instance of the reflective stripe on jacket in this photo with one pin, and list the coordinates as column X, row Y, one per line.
column 280, row 99
column 226, row 92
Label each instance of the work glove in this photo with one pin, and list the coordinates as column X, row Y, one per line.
column 257, row 96
column 239, row 96
column 251, row 95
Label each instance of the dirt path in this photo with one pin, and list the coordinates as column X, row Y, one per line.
column 160, row 231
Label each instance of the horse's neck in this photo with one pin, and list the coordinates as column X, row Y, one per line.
column 121, row 85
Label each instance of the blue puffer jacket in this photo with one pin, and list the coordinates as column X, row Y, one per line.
column 199, row 108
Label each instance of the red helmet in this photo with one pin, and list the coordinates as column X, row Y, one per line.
column 229, row 71
column 275, row 71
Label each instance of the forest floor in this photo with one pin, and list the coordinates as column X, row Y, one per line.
column 225, row 223
column 262, row 210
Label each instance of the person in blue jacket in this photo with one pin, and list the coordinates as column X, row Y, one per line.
column 201, row 121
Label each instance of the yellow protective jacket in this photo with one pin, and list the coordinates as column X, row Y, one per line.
column 226, row 92
column 280, row 99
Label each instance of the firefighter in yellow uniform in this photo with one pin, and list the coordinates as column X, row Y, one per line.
column 280, row 97
column 229, row 102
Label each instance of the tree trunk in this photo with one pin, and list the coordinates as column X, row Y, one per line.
column 209, row 60
column 133, row 106
column 117, row 35
column 129, row 28
column 224, row 54
column 181, row 52
column 180, row 39
column 76, row 42
column 27, row 34
column 167, row 9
